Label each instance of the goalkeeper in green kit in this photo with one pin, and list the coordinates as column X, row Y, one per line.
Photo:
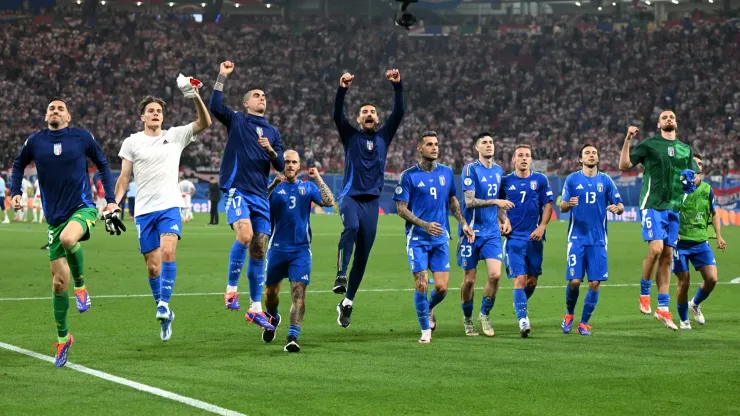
column 665, row 160
column 697, row 212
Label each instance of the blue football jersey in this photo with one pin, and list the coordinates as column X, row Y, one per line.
column 290, row 215
column 427, row 195
column 588, row 219
column 529, row 196
column 486, row 183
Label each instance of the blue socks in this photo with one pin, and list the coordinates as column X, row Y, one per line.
column 435, row 299
column 663, row 300
column 237, row 256
column 154, row 284
column 529, row 290
column 683, row 311
column 467, row 308
column 520, row 303
column 645, row 287
column 700, row 296
column 486, row 304
column 256, row 276
column 589, row 304
column 422, row 309
column 169, row 272
column 571, row 298
column 294, row 331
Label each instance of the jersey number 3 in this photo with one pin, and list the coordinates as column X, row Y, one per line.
column 292, row 202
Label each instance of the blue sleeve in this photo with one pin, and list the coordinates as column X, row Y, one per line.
column 25, row 156
column 711, row 200
column 393, row 122
column 403, row 189
column 614, row 196
column 95, row 153
column 346, row 131
column 545, row 190
column 315, row 194
column 467, row 180
column 277, row 146
column 220, row 110
column 566, row 188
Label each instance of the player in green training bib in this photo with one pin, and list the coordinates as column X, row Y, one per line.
column 663, row 157
column 697, row 212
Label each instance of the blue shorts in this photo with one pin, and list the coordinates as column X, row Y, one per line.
column 435, row 258
column 244, row 206
column 523, row 257
column 660, row 225
column 150, row 226
column 588, row 261
column 295, row 265
column 699, row 255
column 468, row 255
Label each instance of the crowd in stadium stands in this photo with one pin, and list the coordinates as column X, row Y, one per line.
column 554, row 91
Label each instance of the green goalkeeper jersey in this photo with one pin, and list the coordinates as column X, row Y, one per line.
column 662, row 160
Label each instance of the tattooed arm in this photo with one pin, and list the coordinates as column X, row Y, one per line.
column 404, row 212
column 456, row 211
column 327, row 198
column 472, row 202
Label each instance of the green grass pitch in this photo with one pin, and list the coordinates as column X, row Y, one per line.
column 631, row 365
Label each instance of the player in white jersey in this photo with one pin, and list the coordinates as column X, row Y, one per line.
column 154, row 157
column 27, row 191
column 187, row 189
column 37, row 209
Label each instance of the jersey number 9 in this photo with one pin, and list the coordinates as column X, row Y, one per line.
column 433, row 191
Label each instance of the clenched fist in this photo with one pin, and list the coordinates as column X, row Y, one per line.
column 226, row 68
column 346, row 80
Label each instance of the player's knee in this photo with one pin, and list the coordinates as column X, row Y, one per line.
column 469, row 279
column 168, row 253
column 494, row 275
column 257, row 250
column 153, row 268
column 531, row 281
column 441, row 290
column 594, row 285
column 421, row 286
column 272, row 291
column 351, row 229
column 58, row 283
column 67, row 240
column 575, row 284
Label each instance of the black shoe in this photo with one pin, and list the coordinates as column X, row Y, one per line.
column 340, row 285
column 292, row 345
column 344, row 311
column 268, row 335
column 46, row 247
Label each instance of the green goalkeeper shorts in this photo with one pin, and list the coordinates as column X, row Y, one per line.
column 86, row 217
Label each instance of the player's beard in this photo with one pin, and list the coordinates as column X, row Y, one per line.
column 591, row 166
column 669, row 128
column 55, row 124
column 371, row 128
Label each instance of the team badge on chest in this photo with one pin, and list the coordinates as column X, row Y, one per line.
column 671, row 151
column 302, row 191
column 369, row 145
column 600, row 187
column 57, row 149
column 442, row 180
column 533, row 185
column 259, row 131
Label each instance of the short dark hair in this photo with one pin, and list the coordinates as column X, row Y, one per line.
column 698, row 156
column 482, row 135
column 427, row 133
column 58, row 99
column 250, row 89
column 580, row 152
column 148, row 100
column 523, row 146
column 367, row 103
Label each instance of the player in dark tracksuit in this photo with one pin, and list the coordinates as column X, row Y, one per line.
column 365, row 152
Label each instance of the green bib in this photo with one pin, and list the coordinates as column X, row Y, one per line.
column 696, row 214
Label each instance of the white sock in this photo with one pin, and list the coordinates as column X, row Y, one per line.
column 230, row 289
column 165, row 304
column 35, row 216
column 346, row 302
column 663, row 308
column 256, row 307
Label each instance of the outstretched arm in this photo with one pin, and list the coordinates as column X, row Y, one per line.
column 220, row 110
column 399, row 107
column 204, row 118
column 345, row 129
column 625, row 163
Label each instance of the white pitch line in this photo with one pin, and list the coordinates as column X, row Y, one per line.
column 128, row 383
column 146, row 295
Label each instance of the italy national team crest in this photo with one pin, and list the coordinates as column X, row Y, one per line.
column 57, row 149
column 442, row 180
column 302, row 191
column 600, row 187
column 369, row 145
column 671, row 151
column 259, row 131
column 533, row 185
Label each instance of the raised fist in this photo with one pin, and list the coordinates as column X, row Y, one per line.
column 346, row 80
column 632, row 131
column 226, row 68
column 393, row 75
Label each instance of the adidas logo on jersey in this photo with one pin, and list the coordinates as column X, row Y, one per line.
column 281, row 192
column 579, row 187
column 175, row 227
column 483, row 179
column 512, row 188
column 420, row 184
